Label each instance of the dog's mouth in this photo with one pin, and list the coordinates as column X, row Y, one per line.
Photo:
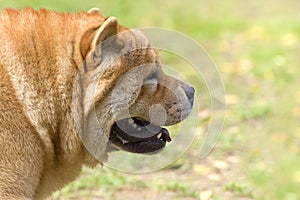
column 137, row 135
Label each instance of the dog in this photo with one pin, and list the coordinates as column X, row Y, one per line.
column 74, row 87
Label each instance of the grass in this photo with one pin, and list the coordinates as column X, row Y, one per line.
column 239, row 189
column 183, row 189
column 105, row 180
column 256, row 47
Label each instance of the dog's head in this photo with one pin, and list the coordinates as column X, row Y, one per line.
column 131, row 97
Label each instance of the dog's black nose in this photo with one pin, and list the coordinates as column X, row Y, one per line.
column 190, row 91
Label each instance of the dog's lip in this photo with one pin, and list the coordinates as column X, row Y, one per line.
column 138, row 136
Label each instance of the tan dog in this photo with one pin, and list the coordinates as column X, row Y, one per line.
column 52, row 121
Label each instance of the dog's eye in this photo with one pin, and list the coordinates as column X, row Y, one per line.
column 152, row 77
column 152, row 82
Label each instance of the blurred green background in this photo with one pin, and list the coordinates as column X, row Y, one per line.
column 255, row 45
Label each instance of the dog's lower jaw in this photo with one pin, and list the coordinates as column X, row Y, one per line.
column 91, row 161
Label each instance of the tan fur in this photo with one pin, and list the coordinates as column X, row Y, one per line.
column 41, row 59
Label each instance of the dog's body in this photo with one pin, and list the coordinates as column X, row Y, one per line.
column 41, row 55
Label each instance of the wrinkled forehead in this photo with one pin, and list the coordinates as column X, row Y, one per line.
column 134, row 40
column 138, row 55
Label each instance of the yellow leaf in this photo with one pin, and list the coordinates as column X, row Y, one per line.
column 296, row 176
column 256, row 33
column 232, row 99
column 245, row 65
column 214, row 177
column 289, row 39
column 233, row 159
column 219, row 164
column 206, row 195
column 200, row 169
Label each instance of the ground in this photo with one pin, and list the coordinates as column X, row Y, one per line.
column 193, row 179
column 255, row 46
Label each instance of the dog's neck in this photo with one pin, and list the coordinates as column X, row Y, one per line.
column 48, row 56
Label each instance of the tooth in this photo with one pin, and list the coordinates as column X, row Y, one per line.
column 159, row 135
column 139, row 129
column 122, row 140
column 134, row 125
column 166, row 135
column 130, row 121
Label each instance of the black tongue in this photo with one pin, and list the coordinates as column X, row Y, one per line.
column 137, row 131
column 140, row 121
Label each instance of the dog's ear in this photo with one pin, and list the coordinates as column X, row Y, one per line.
column 108, row 29
column 101, row 41
column 95, row 11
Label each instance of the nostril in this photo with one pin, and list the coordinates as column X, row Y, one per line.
column 190, row 91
